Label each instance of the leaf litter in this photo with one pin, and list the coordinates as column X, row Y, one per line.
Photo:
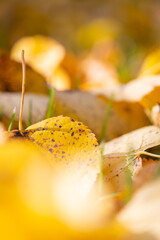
column 73, row 151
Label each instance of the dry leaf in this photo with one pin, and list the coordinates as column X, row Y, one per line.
column 151, row 64
column 154, row 115
column 99, row 30
column 73, row 149
column 42, row 53
column 2, row 134
column 91, row 110
column 117, row 158
column 60, row 80
column 145, row 91
column 146, row 173
column 97, row 74
column 46, row 56
column 82, row 106
column 10, row 100
column 142, row 213
column 11, row 77
column 138, row 140
column 66, row 138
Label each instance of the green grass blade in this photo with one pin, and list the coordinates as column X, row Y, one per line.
column 12, row 119
column 50, row 104
column 130, row 161
column 129, row 186
column 108, row 196
column 105, row 122
column 1, row 113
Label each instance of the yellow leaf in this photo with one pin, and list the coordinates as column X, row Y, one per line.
column 29, row 202
column 151, row 65
column 70, row 142
column 25, row 187
column 60, row 80
column 42, row 53
column 73, row 151
column 96, row 31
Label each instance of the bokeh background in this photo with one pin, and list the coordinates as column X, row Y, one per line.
column 132, row 26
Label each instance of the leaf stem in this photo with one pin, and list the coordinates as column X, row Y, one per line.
column 23, row 90
column 147, row 154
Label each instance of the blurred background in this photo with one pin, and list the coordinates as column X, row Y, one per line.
column 126, row 30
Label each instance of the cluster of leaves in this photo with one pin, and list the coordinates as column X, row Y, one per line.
column 58, row 178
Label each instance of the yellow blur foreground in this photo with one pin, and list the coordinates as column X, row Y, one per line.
column 29, row 200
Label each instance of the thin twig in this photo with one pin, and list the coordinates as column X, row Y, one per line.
column 23, row 89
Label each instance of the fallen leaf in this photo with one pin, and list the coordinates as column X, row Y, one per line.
column 71, row 143
column 117, row 158
column 42, row 53
column 42, row 201
column 138, row 140
column 47, row 57
column 29, row 200
column 11, row 100
column 97, row 74
column 142, row 213
column 151, row 64
column 146, row 172
column 72, row 148
column 82, row 106
column 96, row 31
column 2, row 134
column 11, row 77
column 154, row 115
column 144, row 90
column 25, row 184
column 60, row 80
